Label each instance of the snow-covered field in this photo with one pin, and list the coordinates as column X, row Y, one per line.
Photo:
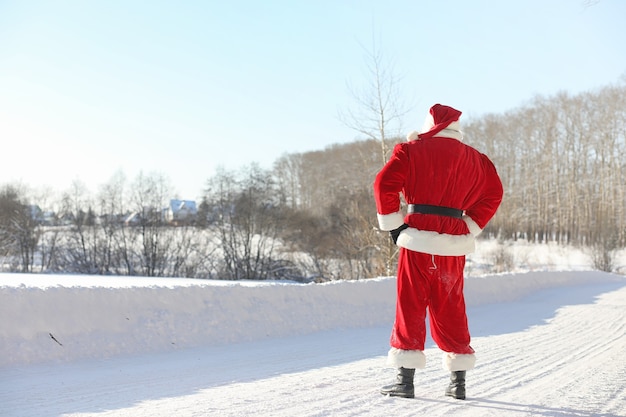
column 550, row 341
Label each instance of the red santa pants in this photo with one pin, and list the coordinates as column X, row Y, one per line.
column 433, row 282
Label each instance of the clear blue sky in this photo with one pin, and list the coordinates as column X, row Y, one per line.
column 88, row 88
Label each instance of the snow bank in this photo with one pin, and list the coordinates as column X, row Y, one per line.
column 63, row 318
column 94, row 317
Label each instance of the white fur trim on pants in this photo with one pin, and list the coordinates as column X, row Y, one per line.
column 399, row 358
column 458, row 362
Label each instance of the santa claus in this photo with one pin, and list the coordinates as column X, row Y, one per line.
column 452, row 191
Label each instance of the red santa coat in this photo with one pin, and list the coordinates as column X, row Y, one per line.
column 437, row 171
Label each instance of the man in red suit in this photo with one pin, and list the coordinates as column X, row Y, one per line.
column 452, row 192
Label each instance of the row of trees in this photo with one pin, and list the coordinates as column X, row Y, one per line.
column 93, row 238
column 562, row 161
column 243, row 231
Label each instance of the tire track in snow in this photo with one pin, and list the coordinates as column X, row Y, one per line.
column 558, row 361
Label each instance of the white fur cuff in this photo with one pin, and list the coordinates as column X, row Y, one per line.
column 472, row 226
column 399, row 358
column 391, row 221
column 458, row 362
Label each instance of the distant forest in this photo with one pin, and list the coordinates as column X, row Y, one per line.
column 562, row 161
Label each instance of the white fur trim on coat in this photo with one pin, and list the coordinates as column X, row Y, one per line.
column 436, row 243
column 453, row 131
column 458, row 362
column 450, row 133
column 441, row 244
column 399, row 358
column 391, row 221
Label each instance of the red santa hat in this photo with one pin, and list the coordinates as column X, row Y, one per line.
column 441, row 121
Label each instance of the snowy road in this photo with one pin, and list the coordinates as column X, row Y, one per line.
column 558, row 352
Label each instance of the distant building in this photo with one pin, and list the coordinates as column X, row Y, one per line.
column 39, row 216
column 132, row 219
column 181, row 212
column 35, row 213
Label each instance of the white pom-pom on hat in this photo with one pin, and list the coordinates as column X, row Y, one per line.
column 414, row 135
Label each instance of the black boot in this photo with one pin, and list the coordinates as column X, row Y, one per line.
column 403, row 386
column 456, row 389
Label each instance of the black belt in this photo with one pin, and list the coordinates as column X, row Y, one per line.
column 439, row 210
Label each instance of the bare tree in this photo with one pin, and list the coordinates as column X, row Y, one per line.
column 81, row 246
column 149, row 197
column 19, row 234
column 246, row 215
column 377, row 115
column 48, row 249
column 288, row 173
column 379, row 107
column 115, row 250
